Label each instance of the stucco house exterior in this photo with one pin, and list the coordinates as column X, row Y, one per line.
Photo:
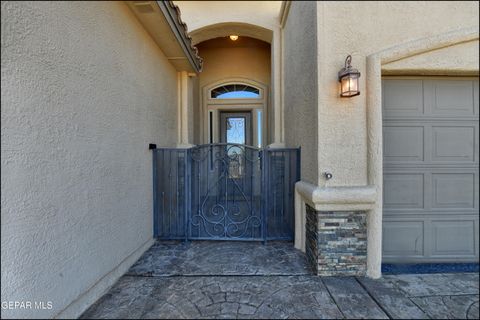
column 389, row 175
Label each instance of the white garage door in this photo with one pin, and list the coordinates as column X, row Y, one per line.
column 430, row 147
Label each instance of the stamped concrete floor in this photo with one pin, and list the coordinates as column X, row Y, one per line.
column 213, row 280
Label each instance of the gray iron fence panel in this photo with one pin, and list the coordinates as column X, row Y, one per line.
column 224, row 192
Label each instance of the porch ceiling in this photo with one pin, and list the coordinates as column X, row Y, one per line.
column 224, row 29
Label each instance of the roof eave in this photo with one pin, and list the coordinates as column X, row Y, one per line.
column 179, row 28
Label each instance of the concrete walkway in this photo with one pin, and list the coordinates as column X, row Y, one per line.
column 244, row 280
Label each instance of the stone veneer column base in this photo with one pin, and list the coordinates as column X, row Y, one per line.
column 336, row 242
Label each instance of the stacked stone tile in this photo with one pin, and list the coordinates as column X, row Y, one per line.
column 336, row 242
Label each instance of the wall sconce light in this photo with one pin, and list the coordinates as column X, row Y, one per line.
column 348, row 78
column 233, row 37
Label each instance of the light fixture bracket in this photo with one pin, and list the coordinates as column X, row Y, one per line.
column 348, row 69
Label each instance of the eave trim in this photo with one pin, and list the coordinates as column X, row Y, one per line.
column 284, row 10
column 179, row 28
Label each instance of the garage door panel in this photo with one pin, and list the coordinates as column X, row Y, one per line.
column 452, row 98
column 475, row 97
column 453, row 190
column 431, row 174
column 424, row 214
column 453, row 238
column 403, row 143
column 438, row 190
column 403, row 97
column 453, row 143
column 404, row 238
column 430, row 239
column 403, row 191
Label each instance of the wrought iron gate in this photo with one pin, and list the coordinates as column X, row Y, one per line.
column 224, row 192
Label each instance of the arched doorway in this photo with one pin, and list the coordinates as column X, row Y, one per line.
column 235, row 111
column 241, row 68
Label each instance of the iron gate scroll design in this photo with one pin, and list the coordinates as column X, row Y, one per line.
column 224, row 192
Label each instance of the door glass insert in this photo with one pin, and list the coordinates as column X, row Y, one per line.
column 236, row 130
column 235, row 127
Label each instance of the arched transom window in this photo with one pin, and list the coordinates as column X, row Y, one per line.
column 235, row 91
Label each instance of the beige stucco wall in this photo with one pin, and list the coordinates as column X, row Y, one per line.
column 370, row 27
column 300, row 76
column 84, row 90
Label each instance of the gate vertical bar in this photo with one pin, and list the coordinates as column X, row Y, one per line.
column 265, row 186
column 188, row 193
column 155, row 202
column 298, row 160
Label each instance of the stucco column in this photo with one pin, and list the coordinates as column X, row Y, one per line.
column 276, row 89
column 300, row 222
column 182, row 109
column 375, row 165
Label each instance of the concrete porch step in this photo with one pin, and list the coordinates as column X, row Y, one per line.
column 217, row 258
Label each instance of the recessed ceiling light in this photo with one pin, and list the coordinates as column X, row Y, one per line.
column 233, row 37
